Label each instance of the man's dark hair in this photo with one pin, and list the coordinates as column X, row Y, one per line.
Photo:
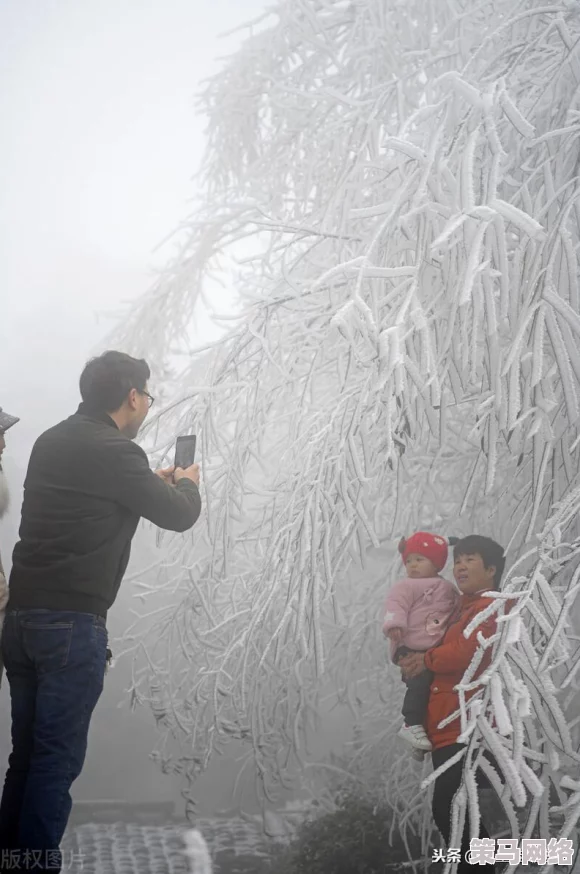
column 107, row 380
column 491, row 553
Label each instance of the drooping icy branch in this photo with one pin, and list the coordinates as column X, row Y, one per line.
column 404, row 212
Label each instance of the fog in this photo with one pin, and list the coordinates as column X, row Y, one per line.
column 100, row 141
column 403, row 364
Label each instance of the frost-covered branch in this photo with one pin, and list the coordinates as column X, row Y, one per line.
column 398, row 184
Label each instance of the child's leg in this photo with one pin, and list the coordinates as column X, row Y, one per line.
column 416, row 698
column 414, row 710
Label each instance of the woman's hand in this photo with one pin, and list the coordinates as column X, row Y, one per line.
column 412, row 665
column 396, row 635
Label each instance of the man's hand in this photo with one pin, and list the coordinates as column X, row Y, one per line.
column 395, row 634
column 412, row 665
column 191, row 473
column 166, row 474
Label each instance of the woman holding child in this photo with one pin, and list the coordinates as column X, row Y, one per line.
column 478, row 567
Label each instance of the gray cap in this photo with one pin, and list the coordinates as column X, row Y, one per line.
column 6, row 421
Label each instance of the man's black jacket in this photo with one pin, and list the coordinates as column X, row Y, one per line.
column 86, row 488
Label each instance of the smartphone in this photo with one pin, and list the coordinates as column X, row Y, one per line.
column 185, row 451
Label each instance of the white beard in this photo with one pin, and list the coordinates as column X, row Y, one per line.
column 4, row 494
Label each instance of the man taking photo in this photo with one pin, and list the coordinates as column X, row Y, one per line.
column 86, row 488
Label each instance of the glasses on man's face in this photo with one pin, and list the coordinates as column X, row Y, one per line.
column 150, row 397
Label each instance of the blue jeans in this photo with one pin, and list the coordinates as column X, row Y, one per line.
column 55, row 666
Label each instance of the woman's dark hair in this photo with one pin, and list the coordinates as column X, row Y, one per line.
column 491, row 553
column 107, row 380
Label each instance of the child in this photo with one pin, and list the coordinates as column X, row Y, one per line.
column 417, row 612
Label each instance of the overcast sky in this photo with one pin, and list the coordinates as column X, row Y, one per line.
column 99, row 143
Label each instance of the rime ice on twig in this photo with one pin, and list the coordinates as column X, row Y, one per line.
column 400, row 184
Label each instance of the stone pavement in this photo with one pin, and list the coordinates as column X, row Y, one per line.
column 236, row 846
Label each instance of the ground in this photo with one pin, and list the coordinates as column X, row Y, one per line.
column 236, row 846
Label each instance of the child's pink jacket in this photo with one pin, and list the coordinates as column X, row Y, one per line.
column 422, row 609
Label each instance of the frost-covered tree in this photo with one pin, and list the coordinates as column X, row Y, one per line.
column 393, row 188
